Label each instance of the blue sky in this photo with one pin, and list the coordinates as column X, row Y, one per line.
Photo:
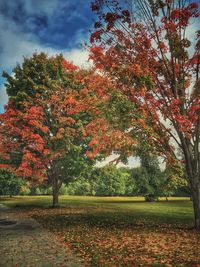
column 52, row 26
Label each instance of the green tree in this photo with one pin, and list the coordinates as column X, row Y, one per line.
column 148, row 177
column 10, row 183
column 108, row 181
column 80, row 186
column 173, row 180
column 130, row 184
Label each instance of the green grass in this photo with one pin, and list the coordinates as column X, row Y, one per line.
column 176, row 210
column 119, row 231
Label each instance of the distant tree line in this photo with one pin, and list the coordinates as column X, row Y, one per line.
column 147, row 180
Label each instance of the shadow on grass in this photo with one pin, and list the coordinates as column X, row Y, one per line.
column 97, row 212
column 115, row 220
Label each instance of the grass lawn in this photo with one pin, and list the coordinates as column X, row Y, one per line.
column 119, row 231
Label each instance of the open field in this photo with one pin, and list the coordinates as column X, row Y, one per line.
column 119, row 231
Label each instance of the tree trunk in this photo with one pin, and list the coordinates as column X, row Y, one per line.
column 196, row 205
column 194, row 184
column 55, row 191
column 55, row 197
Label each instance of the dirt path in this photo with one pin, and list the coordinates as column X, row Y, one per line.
column 24, row 243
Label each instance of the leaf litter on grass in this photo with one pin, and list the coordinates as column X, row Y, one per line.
column 102, row 237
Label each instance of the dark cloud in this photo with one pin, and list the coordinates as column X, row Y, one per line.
column 26, row 18
column 53, row 23
column 13, row 10
column 67, row 25
column 35, row 23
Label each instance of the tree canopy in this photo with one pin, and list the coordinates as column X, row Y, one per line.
column 155, row 62
column 53, row 108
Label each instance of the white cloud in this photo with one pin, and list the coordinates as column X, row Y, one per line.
column 3, row 97
column 78, row 57
column 16, row 45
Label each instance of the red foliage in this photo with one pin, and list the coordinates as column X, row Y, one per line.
column 154, row 68
column 44, row 128
column 69, row 66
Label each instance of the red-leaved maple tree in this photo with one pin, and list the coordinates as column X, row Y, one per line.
column 53, row 107
column 152, row 51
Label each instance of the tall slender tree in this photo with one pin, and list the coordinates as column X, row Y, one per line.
column 151, row 49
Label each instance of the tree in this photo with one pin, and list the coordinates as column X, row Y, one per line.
column 172, row 180
column 148, row 52
column 152, row 176
column 10, row 184
column 42, row 130
column 108, row 181
column 148, row 178
column 80, row 187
